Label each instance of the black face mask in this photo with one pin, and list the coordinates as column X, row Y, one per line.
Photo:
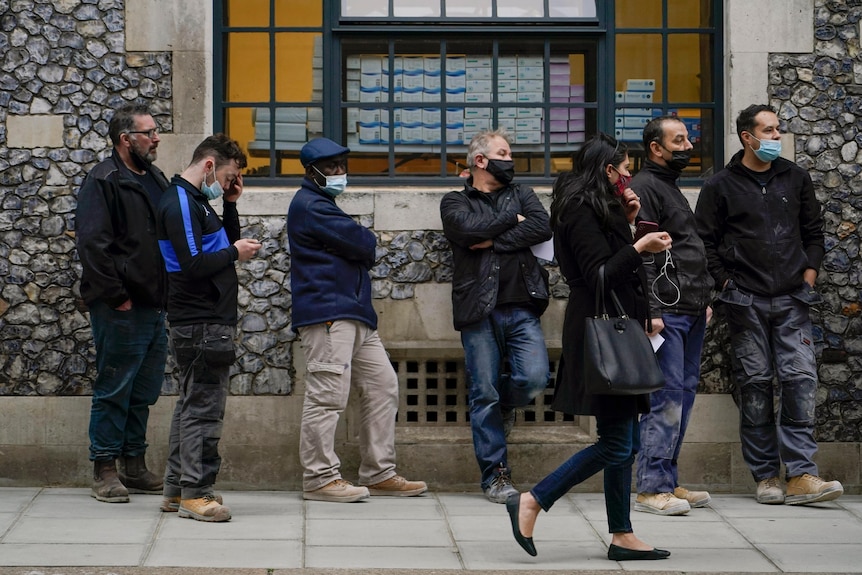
column 679, row 160
column 503, row 170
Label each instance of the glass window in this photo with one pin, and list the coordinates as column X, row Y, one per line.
column 407, row 94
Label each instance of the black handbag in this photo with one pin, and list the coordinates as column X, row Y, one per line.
column 618, row 356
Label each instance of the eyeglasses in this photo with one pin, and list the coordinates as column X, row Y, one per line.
column 149, row 133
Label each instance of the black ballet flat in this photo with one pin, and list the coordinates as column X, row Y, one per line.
column 513, row 503
column 617, row 553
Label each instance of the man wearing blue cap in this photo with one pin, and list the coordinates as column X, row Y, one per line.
column 332, row 313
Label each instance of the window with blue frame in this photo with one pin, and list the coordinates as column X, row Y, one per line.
column 406, row 83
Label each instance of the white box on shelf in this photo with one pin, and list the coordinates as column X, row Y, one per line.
column 352, row 91
column 637, row 97
column 478, row 62
column 369, row 134
column 431, row 82
column 507, row 123
column 577, row 113
column 534, row 137
column 507, row 112
column 456, row 82
column 431, row 135
column 635, row 121
column 352, row 63
column 507, row 73
column 531, row 97
column 369, row 116
column 431, row 95
column 531, row 61
column 507, row 97
column 531, row 85
column 530, row 113
column 477, row 113
column 476, row 124
column 411, row 116
column 640, row 85
column 528, row 124
column 431, row 117
column 478, row 73
column 577, row 137
column 531, row 73
column 619, row 97
column 455, row 95
column 507, row 85
column 371, row 80
column 413, row 64
column 478, row 97
column 455, row 65
column 431, row 64
column 454, row 116
column 479, row 86
column 507, row 61
column 371, row 64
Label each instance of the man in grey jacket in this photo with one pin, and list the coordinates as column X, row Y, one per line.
column 679, row 298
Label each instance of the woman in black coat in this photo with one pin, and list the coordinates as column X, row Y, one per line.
column 591, row 213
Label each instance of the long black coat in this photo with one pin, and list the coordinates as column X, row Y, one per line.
column 581, row 246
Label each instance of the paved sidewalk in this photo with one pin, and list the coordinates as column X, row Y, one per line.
column 439, row 532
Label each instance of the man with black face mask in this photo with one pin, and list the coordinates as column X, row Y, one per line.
column 499, row 291
column 680, row 287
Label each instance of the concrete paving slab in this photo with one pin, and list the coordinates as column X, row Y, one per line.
column 843, row 528
column 549, row 527
column 249, row 526
column 469, row 504
column 377, row 533
column 66, row 554
column 15, row 499
column 423, row 507
column 819, row 558
column 746, row 506
column 225, row 554
column 382, row 558
column 6, row 520
column 81, row 530
column 674, row 534
column 705, row 560
column 83, row 506
column 553, row 555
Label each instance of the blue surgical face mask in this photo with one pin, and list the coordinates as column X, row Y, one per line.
column 768, row 151
column 335, row 185
column 213, row 191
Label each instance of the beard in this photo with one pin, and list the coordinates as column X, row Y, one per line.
column 143, row 156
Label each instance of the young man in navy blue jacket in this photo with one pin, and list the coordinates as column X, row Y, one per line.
column 199, row 252
column 330, row 258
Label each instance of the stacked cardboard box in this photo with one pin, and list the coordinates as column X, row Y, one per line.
column 568, row 125
column 629, row 122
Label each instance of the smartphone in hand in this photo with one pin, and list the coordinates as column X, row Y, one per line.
column 643, row 227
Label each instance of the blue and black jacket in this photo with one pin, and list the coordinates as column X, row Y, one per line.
column 199, row 256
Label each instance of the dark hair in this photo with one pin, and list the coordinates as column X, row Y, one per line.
column 223, row 148
column 123, row 120
column 588, row 182
column 654, row 130
column 745, row 121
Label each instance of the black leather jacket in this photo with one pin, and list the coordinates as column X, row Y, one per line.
column 763, row 238
column 471, row 217
column 662, row 202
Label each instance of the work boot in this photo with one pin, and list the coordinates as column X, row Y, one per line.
column 337, row 491
column 206, row 508
column 661, row 504
column 106, row 483
column 694, row 498
column 807, row 488
column 397, row 486
column 172, row 504
column 139, row 479
column 769, row 491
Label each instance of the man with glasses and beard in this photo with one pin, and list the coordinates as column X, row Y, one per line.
column 123, row 283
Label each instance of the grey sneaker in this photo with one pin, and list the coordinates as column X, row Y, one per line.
column 769, row 491
column 500, row 488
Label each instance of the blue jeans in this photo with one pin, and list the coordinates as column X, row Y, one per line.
column 773, row 335
column 614, row 452
column 511, row 334
column 204, row 354
column 663, row 428
column 131, row 349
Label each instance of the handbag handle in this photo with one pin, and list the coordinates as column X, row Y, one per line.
column 601, row 310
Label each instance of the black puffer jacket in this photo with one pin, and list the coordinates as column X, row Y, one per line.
column 115, row 231
column 662, row 202
column 471, row 217
column 762, row 238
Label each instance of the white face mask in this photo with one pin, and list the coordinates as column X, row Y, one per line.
column 214, row 191
column 335, row 185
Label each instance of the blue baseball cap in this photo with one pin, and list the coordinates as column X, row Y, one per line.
column 320, row 149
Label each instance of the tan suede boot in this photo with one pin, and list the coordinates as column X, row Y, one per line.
column 106, row 483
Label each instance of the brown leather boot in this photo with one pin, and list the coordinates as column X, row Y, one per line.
column 138, row 479
column 106, row 484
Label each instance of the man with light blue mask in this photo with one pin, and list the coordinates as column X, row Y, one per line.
column 762, row 229
column 331, row 255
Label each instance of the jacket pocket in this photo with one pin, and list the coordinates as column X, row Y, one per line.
column 807, row 295
column 217, row 345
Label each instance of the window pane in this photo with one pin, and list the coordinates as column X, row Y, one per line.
column 572, row 8
column 417, row 8
column 700, row 126
column 521, row 8
column 689, row 13
column 298, row 67
column 639, row 13
column 247, row 73
column 688, row 63
column 298, row 12
column 638, row 70
column 365, row 7
column 282, row 129
column 247, row 13
column 468, row 8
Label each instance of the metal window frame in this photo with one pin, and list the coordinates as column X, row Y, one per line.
column 601, row 31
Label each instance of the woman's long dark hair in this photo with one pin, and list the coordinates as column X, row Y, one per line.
column 588, row 182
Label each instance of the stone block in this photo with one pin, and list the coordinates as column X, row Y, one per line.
column 706, row 466
column 154, row 26
column 23, row 421
column 407, row 209
column 714, row 419
column 192, row 103
column 791, row 26
column 34, row 131
column 175, row 152
column 425, row 321
column 841, row 461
